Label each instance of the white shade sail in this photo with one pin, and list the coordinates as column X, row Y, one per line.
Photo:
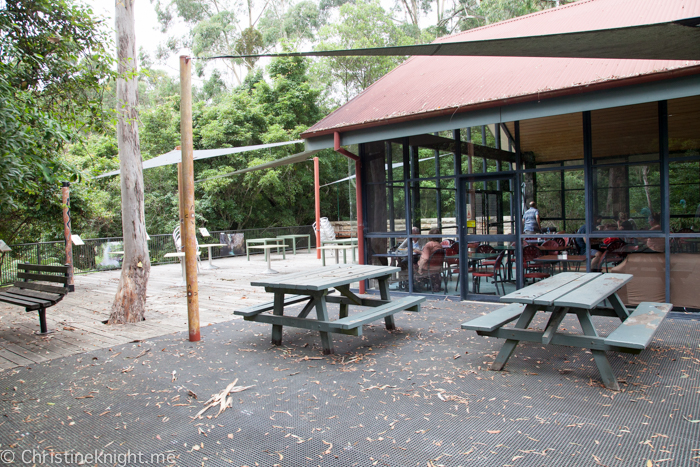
column 175, row 156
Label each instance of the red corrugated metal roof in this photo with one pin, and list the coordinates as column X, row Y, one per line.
column 426, row 86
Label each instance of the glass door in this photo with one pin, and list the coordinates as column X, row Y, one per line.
column 489, row 235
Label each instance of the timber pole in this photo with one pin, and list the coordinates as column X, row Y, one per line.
column 181, row 203
column 65, row 192
column 187, row 231
column 317, row 195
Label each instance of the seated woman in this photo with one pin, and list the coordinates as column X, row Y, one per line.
column 653, row 244
column 432, row 245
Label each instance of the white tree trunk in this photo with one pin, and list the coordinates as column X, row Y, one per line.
column 129, row 303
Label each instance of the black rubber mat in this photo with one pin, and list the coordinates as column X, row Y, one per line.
column 418, row 396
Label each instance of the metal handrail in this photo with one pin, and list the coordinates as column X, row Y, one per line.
column 95, row 254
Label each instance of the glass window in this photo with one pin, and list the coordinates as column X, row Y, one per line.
column 560, row 198
column 627, row 195
column 386, row 207
column 683, row 127
column 625, row 134
column 684, row 190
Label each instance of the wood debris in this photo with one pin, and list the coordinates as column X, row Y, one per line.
column 221, row 399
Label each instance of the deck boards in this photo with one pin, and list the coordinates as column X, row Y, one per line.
column 77, row 321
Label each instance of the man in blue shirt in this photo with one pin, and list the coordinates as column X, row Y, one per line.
column 531, row 219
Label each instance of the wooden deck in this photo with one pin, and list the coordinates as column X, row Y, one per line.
column 78, row 321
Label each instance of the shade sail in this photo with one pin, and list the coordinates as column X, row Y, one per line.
column 673, row 40
column 175, row 156
column 300, row 157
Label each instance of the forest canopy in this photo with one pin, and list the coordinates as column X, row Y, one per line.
column 57, row 101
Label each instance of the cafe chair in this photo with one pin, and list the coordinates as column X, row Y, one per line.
column 486, row 248
column 531, row 269
column 612, row 255
column 494, row 273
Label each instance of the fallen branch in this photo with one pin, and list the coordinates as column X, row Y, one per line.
column 221, row 399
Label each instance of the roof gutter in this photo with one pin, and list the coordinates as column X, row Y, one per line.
column 358, row 202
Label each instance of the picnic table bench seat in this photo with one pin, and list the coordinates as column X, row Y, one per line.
column 381, row 311
column 250, row 311
column 495, row 319
column 378, row 309
column 639, row 328
column 33, row 293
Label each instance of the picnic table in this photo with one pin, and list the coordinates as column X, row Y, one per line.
column 209, row 246
column 313, row 288
column 265, row 241
column 582, row 294
column 268, row 255
column 293, row 238
column 341, row 241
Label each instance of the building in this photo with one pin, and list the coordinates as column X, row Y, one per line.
column 464, row 144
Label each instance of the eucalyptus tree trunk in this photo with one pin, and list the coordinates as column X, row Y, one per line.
column 129, row 303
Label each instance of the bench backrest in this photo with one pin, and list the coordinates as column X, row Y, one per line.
column 33, row 274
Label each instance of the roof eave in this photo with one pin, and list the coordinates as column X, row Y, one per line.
column 579, row 89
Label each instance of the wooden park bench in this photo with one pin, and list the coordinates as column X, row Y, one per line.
column 33, row 293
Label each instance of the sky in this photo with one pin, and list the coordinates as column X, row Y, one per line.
column 148, row 34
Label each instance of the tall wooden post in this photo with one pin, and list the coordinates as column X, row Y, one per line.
column 187, row 230
column 181, row 202
column 65, row 192
column 317, row 193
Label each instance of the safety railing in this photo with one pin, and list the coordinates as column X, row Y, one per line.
column 101, row 254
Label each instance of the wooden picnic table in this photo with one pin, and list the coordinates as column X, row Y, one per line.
column 586, row 295
column 342, row 241
column 313, row 287
column 265, row 241
column 293, row 238
column 268, row 256
column 209, row 246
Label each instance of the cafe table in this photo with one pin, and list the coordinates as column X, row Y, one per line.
column 565, row 260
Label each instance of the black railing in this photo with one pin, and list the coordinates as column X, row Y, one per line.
column 97, row 254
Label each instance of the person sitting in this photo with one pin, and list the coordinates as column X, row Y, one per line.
column 531, row 220
column 432, row 245
column 624, row 222
column 418, row 243
column 653, row 244
column 581, row 241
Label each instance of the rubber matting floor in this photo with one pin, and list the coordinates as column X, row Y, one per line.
column 418, row 396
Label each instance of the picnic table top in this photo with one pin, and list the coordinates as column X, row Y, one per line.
column 262, row 247
column 570, row 289
column 341, row 240
column 294, row 236
column 326, row 277
column 264, row 240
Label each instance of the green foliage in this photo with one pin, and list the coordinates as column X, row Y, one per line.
column 53, row 66
column 361, row 24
